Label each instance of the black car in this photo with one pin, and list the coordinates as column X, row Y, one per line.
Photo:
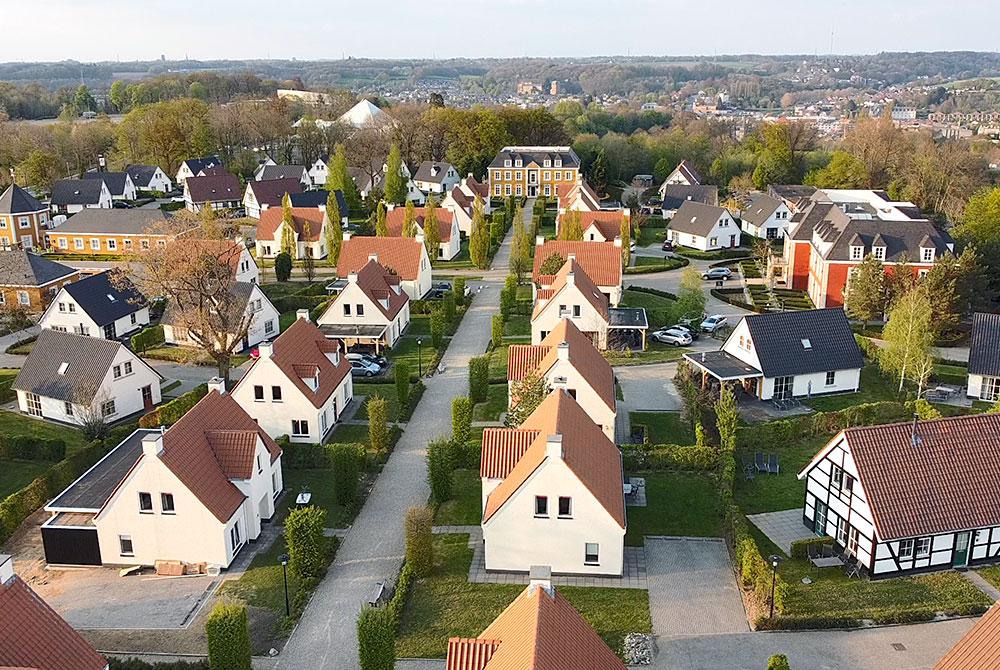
column 438, row 290
column 667, row 245
column 121, row 204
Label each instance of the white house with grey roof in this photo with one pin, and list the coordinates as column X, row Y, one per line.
column 120, row 184
column 192, row 166
column 76, row 379
column 675, row 195
column 249, row 299
column 984, row 358
column 436, row 177
column 149, row 178
column 765, row 217
column 296, row 172
column 97, row 306
column 70, row 196
column 785, row 355
column 703, row 227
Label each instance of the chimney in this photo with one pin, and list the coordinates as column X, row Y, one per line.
column 618, row 242
column 302, row 314
column 6, row 569
column 373, row 257
column 570, row 279
column 419, row 237
column 553, row 446
column 539, row 240
column 265, row 349
column 914, row 437
column 391, row 206
column 347, row 235
column 352, row 277
column 152, row 443
column 540, row 577
column 571, row 257
column 562, row 351
column 219, row 384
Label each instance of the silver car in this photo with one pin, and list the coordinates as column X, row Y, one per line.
column 674, row 336
column 713, row 323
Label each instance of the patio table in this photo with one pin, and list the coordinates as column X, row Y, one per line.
column 827, row 562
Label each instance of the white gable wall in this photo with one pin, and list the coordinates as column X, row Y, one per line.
column 590, row 320
column 75, row 320
column 723, row 235
column 352, row 296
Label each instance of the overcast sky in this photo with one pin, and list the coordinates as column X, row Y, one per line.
column 97, row 30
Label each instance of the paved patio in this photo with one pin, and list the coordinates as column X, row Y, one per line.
column 782, row 528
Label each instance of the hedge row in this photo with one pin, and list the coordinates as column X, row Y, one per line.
column 784, row 431
column 309, row 456
column 147, row 338
column 169, row 413
column 729, row 295
column 291, row 303
column 800, row 548
column 228, row 633
column 137, row 664
column 653, row 291
column 753, row 570
column 7, row 394
column 18, row 506
column 670, row 457
column 672, row 264
column 25, row 448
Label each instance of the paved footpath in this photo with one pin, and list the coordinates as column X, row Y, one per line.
column 373, row 550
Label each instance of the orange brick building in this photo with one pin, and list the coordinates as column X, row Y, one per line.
column 23, row 219
column 111, row 232
column 31, row 281
column 532, row 171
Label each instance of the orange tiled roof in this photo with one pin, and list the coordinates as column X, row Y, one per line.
column 608, row 222
column 400, row 254
column 33, row 636
column 602, row 261
column 394, row 220
column 979, row 649
column 271, row 218
column 502, row 449
column 380, row 285
column 582, row 281
column 540, row 630
column 587, row 451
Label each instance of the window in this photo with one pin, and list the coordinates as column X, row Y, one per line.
column 276, row 393
column 842, row 531
column 565, row 506
column 519, row 190
column 541, row 506
column 300, row 427
column 906, row 548
column 496, row 189
column 234, row 536
column 836, row 477
column 63, row 243
column 879, row 253
column 260, row 468
column 923, row 547
column 108, row 408
column 506, row 189
column 23, row 298
column 831, row 378
column 127, row 366
column 347, row 309
column 71, row 308
column 95, row 244
column 576, row 310
column 852, row 541
column 78, row 243
column 34, row 404
column 269, row 326
column 68, row 408
column 132, row 318
column 127, row 243
column 23, row 222
column 145, row 503
column 591, row 553
column 62, row 307
column 927, row 255
column 125, row 545
column 360, row 309
column 116, row 371
column 112, row 245
column 258, row 393
column 167, row 503
column 712, row 241
column 857, row 253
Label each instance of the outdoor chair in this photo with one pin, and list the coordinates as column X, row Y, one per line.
column 853, row 570
column 748, row 472
column 814, row 551
column 828, row 550
column 758, row 459
column 772, row 464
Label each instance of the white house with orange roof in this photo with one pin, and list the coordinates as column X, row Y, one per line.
column 553, row 493
column 371, row 310
column 308, row 229
column 566, row 359
column 576, row 197
column 406, row 257
column 539, row 630
column 299, row 385
column 604, row 225
column 572, row 295
column 602, row 261
column 448, row 231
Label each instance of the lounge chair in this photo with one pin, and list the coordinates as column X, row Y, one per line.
column 772, row 464
column 759, row 462
column 828, row 550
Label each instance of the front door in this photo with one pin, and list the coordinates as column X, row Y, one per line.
column 147, row 397
column 732, row 240
column 819, row 521
column 961, row 556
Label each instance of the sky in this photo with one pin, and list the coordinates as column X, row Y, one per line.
column 108, row 30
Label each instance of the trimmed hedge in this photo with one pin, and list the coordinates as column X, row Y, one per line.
column 753, row 570
column 291, row 303
column 376, row 639
column 670, row 457
column 728, row 295
column 306, row 543
column 653, row 291
column 785, row 431
column 800, row 548
column 170, row 413
column 228, row 634
column 137, row 664
column 7, row 394
column 25, row 448
column 147, row 338
column 672, row 264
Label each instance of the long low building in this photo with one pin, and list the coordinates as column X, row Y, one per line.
column 111, row 232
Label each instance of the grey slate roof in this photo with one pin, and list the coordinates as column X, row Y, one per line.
column 900, row 238
column 805, row 220
column 23, row 268
column 793, row 193
column 115, row 181
column 780, row 340
column 760, row 209
column 675, row 195
column 695, row 218
column 317, row 198
column 423, row 172
column 76, row 192
column 196, row 165
column 270, row 192
column 88, row 358
column 241, row 292
column 282, row 172
column 94, row 488
column 141, row 174
column 984, row 348
column 214, row 188
column 15, row 200
column 115, row 222
column 103, row 301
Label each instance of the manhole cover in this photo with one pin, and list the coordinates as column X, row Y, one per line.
column 898, row 646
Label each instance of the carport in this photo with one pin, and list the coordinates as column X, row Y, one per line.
column 366, row 334
column 724, row 367
column 627, row 328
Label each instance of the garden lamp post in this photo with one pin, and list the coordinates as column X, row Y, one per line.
column 283, row 559
column 774, row 576
column 420, row 363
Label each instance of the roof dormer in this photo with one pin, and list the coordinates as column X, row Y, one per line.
column 878, row 247
column 857, row 247
column 927, row 250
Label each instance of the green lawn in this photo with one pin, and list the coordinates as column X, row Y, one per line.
column 350, row 432
column 653, row 232
column 656, row 352
column 466, row 506
column 420, row 357
column 496, row 403
column 14, row 423
column 664, row 427
column 286, row 319
column 991, row 574
column 518, row 325
column 659, row 309
column 387, row 391
column 276, row 290
column 678, row 503
column 773, row 493
column 446, row 605
column 874, row 387
column 320, row 484
column 188, row 355
column 498, row 362
column 15, row 475
column 462, row 260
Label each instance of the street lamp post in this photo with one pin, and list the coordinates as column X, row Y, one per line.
column 283, row 559
column 420, row 362
column 774, row 575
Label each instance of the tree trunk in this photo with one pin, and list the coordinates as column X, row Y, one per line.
column 223, row 361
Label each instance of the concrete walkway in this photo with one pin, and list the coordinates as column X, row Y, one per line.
column 782, row 528
column 980, row 583
column 373, row 550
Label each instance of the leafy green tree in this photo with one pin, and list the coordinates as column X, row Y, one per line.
column 381, row 222
column 570, row 226
column 117, row 96
column 283, row 267
column 867, row 293
column 843, row 171
column 909, row 336
column 228, row 634
column 691, row 298
column 448, row 304
column 461, row 420
column 395, row 180
column 346, row 461
column 437, row 327
column 340, row 179
column 432, row 232
column 458, row 288
column 951, row 285
column 479, row 378
column 287, row 227
column 775, row 162
column 496, row 333
column 527, row 394
column 40, row 169
column 305, row 540
column 599, row 173
column 778, row 662
column 334, row 231
column 419, row 540
column 552, row 264
column 479, row 239
column 410, row 220
column 402, row 381
column 378, row 423
column 83, row 101
column 625, row 233
column 727, row 418
column 980, row 227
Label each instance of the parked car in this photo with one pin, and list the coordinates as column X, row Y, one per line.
column 631, row 246
column 377, row 361
column 361, row 368
column 713, row 323
column 717, row 273
column 667, row 245
column 688, row 328
column 675, row 336
column 437, row 291
column 121, row 204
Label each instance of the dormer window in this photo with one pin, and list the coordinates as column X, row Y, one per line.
column 879, row 253
column 518, row 163
column 506, row 162
column 548, row 163
column 558, row 162
column 806, row 344
column 927, row 254
column 857, row 253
